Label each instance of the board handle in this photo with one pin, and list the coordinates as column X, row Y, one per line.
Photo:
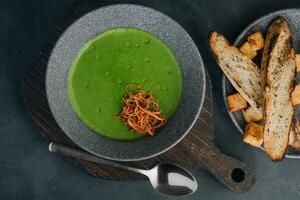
column 229, row 171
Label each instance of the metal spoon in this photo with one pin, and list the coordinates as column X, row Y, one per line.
column 166, row 178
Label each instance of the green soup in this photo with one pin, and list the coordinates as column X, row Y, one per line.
column 107, row 64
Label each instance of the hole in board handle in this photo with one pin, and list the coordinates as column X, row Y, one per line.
column 238, row 175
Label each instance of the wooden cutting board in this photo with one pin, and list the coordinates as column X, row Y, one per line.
column 195, row 150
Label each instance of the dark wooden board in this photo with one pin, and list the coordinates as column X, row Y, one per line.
column 195, row 150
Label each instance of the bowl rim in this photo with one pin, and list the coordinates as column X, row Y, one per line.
column 199, row 106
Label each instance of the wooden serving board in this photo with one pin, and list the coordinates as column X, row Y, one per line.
column 195, row 150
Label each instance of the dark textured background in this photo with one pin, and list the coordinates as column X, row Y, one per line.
column 29, row 171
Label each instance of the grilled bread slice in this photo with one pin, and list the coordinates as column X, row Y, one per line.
column 278, row 74
column 241, row 71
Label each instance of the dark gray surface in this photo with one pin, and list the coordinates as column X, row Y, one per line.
column 149, row 20
column 261, row 24
column 29, row 171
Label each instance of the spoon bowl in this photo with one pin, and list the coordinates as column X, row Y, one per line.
column 171, row 179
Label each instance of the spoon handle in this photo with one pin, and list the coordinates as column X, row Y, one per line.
column 76, row 153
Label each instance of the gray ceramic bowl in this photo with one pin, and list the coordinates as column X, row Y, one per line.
column 160, row 25
column 293, row 17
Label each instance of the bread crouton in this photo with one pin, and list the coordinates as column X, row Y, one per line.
column 236, row 102
column 247, row 50
column 296, row 95
column 294, row 139
column 251, row 115
column 253, row 134
column 297, row 59
column 256, row 41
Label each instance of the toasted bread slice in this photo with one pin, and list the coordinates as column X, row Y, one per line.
column 241, row 71
column 278, row 74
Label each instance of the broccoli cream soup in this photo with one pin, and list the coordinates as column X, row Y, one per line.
column 108, row 63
